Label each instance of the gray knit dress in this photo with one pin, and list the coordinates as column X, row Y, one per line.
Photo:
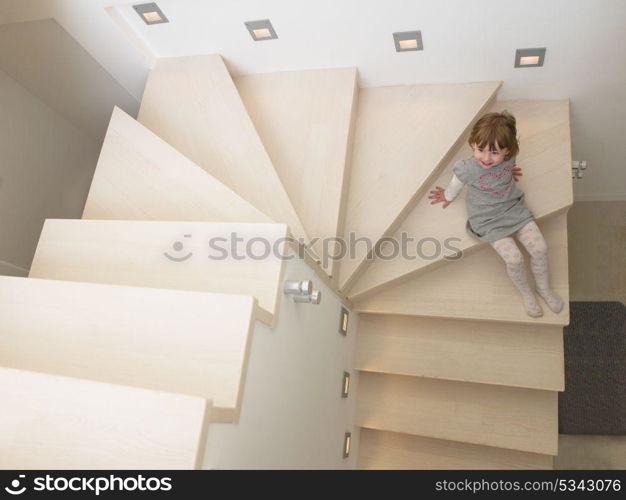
column 495, row 205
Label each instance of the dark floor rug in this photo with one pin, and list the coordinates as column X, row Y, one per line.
column 594, row 401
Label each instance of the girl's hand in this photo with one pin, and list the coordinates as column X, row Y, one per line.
column 438, row 197
column 517, row 172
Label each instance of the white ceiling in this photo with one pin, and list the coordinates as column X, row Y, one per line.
column 464, row 41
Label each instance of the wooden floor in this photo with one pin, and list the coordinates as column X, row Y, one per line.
column 597, row 272
column 591, row 452
column 597, row 250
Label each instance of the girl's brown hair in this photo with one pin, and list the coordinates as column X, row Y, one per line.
column 496, row 129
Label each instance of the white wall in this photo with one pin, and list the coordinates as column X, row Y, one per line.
column 293, row 416
column 90, row 25
column 7, row 269
column 46, row 165
column 44, row 59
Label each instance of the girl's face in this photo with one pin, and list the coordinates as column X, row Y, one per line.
column 487, row 158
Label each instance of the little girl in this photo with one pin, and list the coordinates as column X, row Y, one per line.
column 496, row 209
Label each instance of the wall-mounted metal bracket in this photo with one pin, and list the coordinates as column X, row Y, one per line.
column 578, row 168
column 292, row 287
column 315, row 297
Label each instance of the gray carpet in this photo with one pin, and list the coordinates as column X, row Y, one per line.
column 594, row 401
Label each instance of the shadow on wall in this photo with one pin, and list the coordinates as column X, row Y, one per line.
column 56, row 102
column 43, row 58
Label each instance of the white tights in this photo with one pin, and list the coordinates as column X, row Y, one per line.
column 533, row 241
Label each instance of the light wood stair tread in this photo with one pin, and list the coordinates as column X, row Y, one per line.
column 143, row 253
column 403, row 136
column 166, row 340
column 390, row 450
column 545, row 158
column 471, row 351
column 477, row 287
column 489, row 415
column 140, row 176
column 54, row 422
column 193, row 104
column 305, row 120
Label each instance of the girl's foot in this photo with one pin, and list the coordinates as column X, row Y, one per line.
column 554, row 302
column 533, row 309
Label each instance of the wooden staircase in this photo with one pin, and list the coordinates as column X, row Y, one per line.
column 132, row 253
column 403, row 136
column 452, row 372
column 50, row 421
column 545, row 159
column 124, row 335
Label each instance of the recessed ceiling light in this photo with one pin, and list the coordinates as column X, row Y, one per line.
column 150, row 13
column 529, row 58
column 406, row 41
column 262, row 33
column 261, row 30
column 407, row 44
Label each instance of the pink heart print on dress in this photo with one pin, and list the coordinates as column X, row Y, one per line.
column 485, row 185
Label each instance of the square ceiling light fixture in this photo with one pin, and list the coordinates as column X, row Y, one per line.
column 406, row 41
column 529, row 58
column 150, row 13
column 261, row 30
